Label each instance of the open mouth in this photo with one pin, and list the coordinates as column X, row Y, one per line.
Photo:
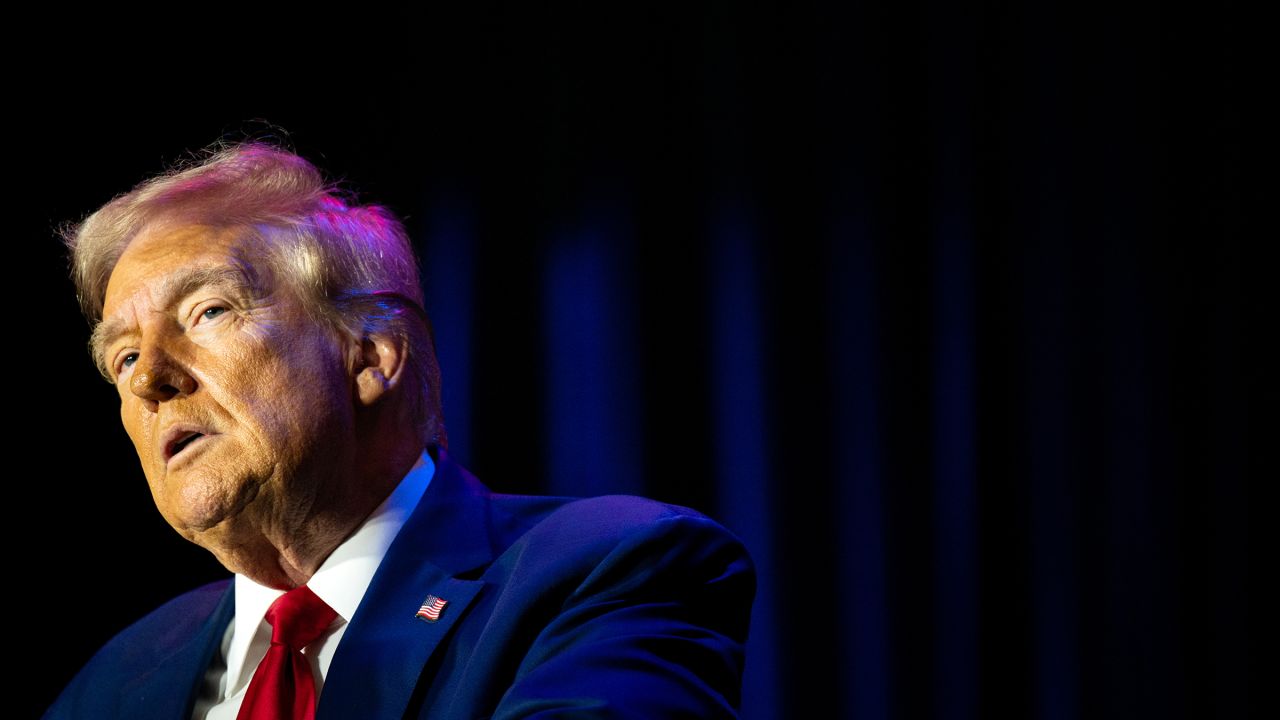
column 181, row 442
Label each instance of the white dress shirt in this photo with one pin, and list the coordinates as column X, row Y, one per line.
column 341, row 582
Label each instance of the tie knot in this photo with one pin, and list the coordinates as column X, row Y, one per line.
column 298, row 617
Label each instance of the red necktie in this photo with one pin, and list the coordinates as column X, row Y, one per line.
column 283, row 687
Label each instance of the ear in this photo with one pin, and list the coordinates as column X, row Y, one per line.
column 379, row 366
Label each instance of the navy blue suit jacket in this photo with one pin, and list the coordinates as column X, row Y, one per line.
column 603, row 607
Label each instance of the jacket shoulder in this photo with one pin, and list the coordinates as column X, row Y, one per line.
column 609, row 519
column 137, row 651
column 595, row 519
column 611, row 542
column 621, row 606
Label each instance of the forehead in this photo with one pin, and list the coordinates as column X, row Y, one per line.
column 159, row 254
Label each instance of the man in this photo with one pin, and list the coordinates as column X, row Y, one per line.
column 277, row 377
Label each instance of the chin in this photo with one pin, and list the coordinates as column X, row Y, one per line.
column 204, row 503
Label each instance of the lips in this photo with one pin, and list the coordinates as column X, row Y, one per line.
column 178, row 438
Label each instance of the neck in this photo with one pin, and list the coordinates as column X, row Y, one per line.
column 286, row 551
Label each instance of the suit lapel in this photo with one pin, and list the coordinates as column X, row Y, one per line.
column 386, row 646
column 158, row 693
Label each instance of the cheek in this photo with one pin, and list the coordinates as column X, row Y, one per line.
column 139, row 425
column 240, row 360
column 299, row 390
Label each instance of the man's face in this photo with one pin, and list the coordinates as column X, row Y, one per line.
column 239, row 405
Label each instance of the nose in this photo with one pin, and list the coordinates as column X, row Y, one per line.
column 158, row 376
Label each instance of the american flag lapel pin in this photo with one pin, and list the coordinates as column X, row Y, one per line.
column 431, row 608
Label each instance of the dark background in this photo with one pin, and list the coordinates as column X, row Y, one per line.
column 945, row 313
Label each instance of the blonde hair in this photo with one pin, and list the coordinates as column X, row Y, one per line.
column 353, row 265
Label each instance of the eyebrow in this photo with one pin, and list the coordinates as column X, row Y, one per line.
column 171, row 291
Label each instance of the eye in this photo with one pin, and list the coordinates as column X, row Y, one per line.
column 126, row 362
column 207, row 311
